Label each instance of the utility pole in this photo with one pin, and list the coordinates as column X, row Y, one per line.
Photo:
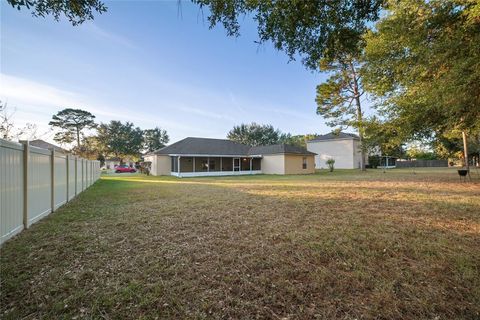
column 465, row 149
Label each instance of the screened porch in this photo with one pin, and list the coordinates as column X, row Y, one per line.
column 190, row 166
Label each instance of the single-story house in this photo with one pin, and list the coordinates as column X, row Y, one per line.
column 192, row 157
column 343, row 147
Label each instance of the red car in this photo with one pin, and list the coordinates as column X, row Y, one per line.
column 124, row 168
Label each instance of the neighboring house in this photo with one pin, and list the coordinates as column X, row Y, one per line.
column 192, row 157
column 111, row 163
column 343, row 147
column 46, row 145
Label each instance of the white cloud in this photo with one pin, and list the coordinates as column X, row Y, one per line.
column 30, row 92
column 36, row 102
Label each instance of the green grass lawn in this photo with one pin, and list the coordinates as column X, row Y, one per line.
column 342, row 245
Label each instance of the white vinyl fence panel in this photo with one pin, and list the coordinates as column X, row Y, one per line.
column 39, row 184
column 60, row 180
column 71, row 177
column 84, row 175
column 79, row 175
column 11, row 184
column 89, row 171
column 35, row 182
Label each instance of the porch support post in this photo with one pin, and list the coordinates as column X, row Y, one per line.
column 250, row 165
column 221, row 164
column 208, row 164
column 178, row 167
column 193, row 164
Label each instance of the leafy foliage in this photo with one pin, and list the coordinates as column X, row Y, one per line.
column 298, row 140
column 419, row 153
column 154, row 139
column 449, row 145
column 331, row 164
column 120, row 139
column 76, row 11
column 71, row 123
column 311, row 29
column 256, row 134
column 91, row 148
column 423, row 60
column 384, row 137
column 338, row 99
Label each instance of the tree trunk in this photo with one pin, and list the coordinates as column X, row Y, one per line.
column 356, row 92
column 465, row 150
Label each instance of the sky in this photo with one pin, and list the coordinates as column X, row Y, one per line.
column 152, row 63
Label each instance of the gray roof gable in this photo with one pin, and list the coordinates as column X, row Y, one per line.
column 207, row 146
column 279, row 148
column 335, row 136
column 46, row 145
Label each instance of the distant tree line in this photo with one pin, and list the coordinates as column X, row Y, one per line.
column 255, row 134
column 112, row 139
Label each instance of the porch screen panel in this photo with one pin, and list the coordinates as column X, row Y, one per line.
column 186, row 164
column 214, row 164
column 244, row 164
column 227, row 164
column 256, row 164
column 201, row 164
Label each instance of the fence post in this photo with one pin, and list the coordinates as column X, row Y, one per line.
column 26, row 159
column 68, row 174
column 83, row 175
column 76, row 174
column 52, row 177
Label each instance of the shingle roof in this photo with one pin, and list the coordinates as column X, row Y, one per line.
column 205, row 146
column 335, row 136
column 208, row 146
column 46, row 145
column 278, row 148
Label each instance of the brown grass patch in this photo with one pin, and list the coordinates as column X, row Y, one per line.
column 341, row 246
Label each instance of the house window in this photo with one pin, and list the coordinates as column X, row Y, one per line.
column 304, row 163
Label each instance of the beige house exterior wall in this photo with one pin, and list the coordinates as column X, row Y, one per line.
column 294, row 164
column 345, row 152
column 273, row 164
column 153, row 167
column 160, row 165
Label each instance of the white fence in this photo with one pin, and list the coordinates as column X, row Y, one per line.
column 35, row 182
